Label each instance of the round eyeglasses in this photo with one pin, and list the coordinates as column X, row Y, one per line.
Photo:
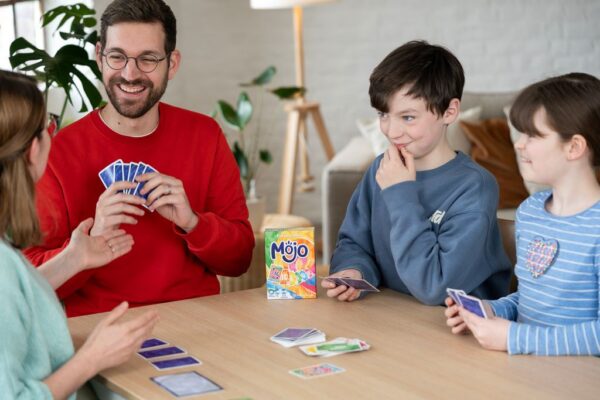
column 146, row 63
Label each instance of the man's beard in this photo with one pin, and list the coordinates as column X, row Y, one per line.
column 134, row 109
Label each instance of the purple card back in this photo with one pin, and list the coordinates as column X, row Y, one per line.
column 359, row 284
column 473, row 306
column 165, row 351
column 293, row 333
column 152, row 342
column 175, row 362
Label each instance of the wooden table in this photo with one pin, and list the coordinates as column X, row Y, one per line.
column 412, row 355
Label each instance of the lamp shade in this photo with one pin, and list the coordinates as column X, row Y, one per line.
column 270, row 4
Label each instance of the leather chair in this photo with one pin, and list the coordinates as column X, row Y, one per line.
column 507, row 232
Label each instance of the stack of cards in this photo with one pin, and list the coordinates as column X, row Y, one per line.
column 334, row 347
column 156, row 351
column 119, row 171
column 290, row 337
column 316, row 371
column 470, row 303
column 359, row 284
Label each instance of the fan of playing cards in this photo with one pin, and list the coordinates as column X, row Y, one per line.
column 470, row 303
column 359, row 284
column 119, row 171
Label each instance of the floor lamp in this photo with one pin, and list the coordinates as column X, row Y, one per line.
column 295, row 139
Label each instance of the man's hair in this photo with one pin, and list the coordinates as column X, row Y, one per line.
column 141, row 11
column 22, row 119
column 429, row 72
column 572, row 106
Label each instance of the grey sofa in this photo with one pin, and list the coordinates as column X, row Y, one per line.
column 344, row 171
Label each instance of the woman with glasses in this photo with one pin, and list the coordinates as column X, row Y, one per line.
column 37, row 360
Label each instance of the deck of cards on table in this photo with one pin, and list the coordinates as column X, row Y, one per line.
column 470, row 303
column 118, row 171
column 290, row 337
column 335, row 347
column 290, row 263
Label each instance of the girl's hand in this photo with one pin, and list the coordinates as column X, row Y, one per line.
column 95, row 251
column 112, row 342
column 491, row 333
column 453, row 319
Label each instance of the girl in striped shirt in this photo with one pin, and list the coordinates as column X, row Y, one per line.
column 555, row 309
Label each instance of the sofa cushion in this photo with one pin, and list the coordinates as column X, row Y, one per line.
column 493, row 150
column 370, row 130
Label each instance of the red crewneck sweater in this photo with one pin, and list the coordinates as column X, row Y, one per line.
column 165, row 263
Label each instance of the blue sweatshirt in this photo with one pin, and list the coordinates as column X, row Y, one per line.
column 421, row 237
column 555, row 309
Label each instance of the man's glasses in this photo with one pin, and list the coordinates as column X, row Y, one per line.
column 146, row 63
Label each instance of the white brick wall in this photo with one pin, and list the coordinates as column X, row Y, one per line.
column 503, row 45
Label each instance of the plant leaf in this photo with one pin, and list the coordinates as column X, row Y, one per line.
column 241, row 159
column 229, row 115
column 244, row 110
column 265, row 156
column 264, row 77
column 288, row 92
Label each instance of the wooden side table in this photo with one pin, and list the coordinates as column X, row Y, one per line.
column 256, row 274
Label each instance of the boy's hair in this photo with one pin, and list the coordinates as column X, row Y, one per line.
column 572, row 106
column 22, row 118
column 141, row 11
column 432, row 73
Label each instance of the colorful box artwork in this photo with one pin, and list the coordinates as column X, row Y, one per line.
column 290, row 261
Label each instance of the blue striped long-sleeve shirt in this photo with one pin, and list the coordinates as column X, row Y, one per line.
column 555, row 309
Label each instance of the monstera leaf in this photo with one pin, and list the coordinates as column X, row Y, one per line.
column 66, row 69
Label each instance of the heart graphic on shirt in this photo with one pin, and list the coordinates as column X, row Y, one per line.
column 541, row 254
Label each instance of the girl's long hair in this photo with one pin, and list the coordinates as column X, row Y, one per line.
column 22, row 118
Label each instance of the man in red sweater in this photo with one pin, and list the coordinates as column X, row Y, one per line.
column 199, row 227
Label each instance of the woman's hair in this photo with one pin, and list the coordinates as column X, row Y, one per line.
column 22, row 118
column 572, row 106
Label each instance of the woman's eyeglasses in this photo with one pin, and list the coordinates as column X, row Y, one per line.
column 52, row 124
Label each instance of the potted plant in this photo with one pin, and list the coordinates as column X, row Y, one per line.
column 65, row 69
column 246, row 146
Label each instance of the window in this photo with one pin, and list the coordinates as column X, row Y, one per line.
column 19, row 18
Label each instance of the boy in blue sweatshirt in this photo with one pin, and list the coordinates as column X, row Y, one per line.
column 423, row 218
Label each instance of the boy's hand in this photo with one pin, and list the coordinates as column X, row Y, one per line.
column 342, row 292
column 453, row 319
column 396, row 166
column 491, row 333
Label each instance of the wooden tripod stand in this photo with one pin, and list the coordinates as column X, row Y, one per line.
column 296, row 138
column 295, row 142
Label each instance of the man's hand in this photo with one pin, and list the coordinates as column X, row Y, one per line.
column 491, row 333
column 167, row 196
column 90, row 252
column 392, row 169
column 114, row 209
column 342, row 292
